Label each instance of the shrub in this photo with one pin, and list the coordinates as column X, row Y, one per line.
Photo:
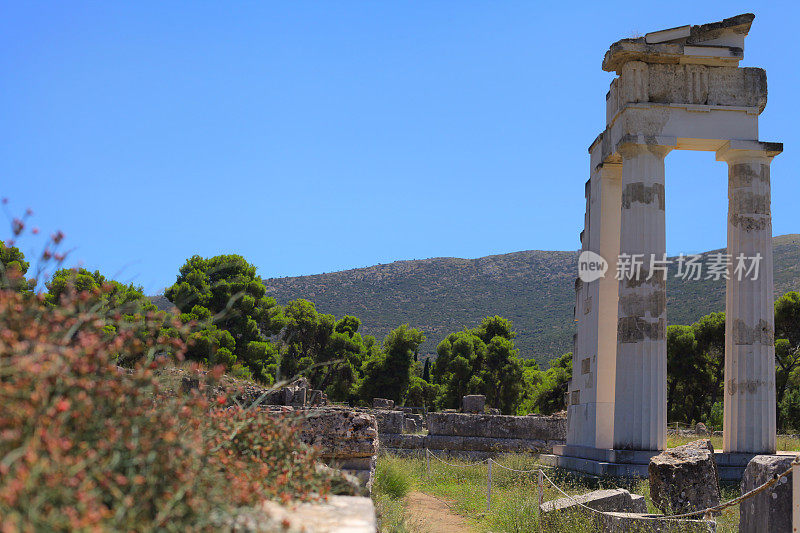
column 86, row 445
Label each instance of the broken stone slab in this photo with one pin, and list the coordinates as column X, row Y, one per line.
column 409, row 425
column 473, row 403
column 685, row 478
column 600, row 500
column 382, row 403
column 351, row 514
column 614, row 522
column 770, row 510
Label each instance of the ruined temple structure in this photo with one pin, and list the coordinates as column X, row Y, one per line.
column 676, row 89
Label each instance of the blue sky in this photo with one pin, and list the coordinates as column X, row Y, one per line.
column 318, row 136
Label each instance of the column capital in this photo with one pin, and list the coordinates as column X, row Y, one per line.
column 633, row 145
column 736, row 150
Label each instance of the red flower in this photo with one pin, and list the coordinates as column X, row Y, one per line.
column 62, row 405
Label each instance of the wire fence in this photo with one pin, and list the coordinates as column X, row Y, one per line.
column 545, row 483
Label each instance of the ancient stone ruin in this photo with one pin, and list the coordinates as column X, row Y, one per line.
column 474, row 435
column 685, row 478
column 770, row 510
column 676, row 89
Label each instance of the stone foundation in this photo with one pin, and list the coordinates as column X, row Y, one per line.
column 479, row 435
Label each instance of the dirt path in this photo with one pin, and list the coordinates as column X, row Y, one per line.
column 429, row 513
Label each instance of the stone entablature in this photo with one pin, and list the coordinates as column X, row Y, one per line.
column 694, row 85
column 718, row 43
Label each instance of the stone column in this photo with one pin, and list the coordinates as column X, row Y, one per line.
column 749, row 414
column 640, row 410
column 607, row 304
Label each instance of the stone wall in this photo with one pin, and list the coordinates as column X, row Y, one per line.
column 479, row 435
column 346, row 438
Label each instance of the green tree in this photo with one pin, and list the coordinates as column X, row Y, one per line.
column 681, row 350
column 549, row 388
column 789, row 409
column 13, row 268
column 224, row 294
column 426, row 370
column 329, row 352
column 387, row 373
column 127, row 299
column 421, row 393
column 709, row 332
column 787, row 345
column 482, row 360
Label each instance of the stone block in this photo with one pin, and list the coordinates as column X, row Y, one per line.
column 473, row 403
column 339, row 433
column 317, row 398
column 701, row 429
column 619, row 500
column 390, row 421
column 549, row 428
column 638, row 503
column 645, row 523
column 401, row 441
column 299, row 395
column 409, row 425
column 685, row 478
column 450, row 443
column 382, row 403
column 770, row 510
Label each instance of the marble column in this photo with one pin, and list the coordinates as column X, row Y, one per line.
column 640, row 409
column 607, row 303
column 749, row 424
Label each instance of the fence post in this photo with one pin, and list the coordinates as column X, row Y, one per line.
column 489, row 487
column 427, row 463
column 796, row 494
column 540, row 485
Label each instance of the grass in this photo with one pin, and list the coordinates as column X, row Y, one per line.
column 790, row 443
column 392, row 481
column 514, row 496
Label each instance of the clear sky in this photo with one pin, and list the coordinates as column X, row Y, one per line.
column 318, row 136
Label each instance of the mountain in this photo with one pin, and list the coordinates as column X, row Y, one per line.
column 535, row 289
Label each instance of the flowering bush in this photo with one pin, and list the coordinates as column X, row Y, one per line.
column 86, row 445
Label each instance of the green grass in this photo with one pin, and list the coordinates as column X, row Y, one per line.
column 514, row 498
column 392, row 480
column 390, row 513
column 789, row 443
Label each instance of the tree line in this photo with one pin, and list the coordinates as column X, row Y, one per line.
column 236, row 324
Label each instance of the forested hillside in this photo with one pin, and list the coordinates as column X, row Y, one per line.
column 535, row 289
